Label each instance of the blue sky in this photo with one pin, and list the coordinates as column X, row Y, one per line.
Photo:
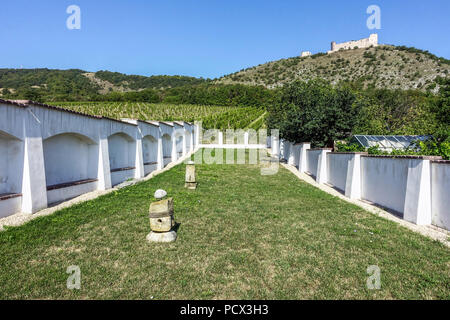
column 204, row 38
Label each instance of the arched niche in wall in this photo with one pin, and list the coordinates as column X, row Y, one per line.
column 167, row 148
column 179, row 136
column 188, row 140
column 69, row 158
column 11, row 164
column 122, row 157
column 150, row 153
column 122, row 151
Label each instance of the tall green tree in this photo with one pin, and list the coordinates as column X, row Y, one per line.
column 313, row 111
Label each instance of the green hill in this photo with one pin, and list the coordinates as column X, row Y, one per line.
column 49, row 84
column 384, row 66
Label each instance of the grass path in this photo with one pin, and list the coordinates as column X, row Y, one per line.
column 235, row 242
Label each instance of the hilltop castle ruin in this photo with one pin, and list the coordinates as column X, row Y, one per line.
column 372, row 40
column 306, row 54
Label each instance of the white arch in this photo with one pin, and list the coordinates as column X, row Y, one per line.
column 179, row 138
column 71, row 163
column 167, row 148
column 122, row 157
column 11, row 173
column 150, row 153
column 11, row 163
column 189, row 141
column 69, row 157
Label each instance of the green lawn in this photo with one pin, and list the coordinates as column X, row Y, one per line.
column 242, row 236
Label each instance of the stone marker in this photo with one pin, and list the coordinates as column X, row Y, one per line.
column 161, row 215
column 190, row 182
column 161, row 219
column 162, row 236
column 160, row 193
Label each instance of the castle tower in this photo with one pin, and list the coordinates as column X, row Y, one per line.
column 373, row 39
column 333, row 45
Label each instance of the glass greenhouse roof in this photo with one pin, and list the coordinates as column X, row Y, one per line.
column 387, row 142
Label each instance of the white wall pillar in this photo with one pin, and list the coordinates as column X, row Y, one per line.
column 174, row 147
column 220, row 138
column 353, row 181
column 292, row 150
column 302, row 162
column 139, row 162
column 282, row 148
column 184, row 142
column 418, row 192
column 322, row 167
column 34, row 187
column 160, row 155
column 191, row 142
column 104, row 171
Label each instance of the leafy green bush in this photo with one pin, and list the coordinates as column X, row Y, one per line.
column 313, row 111
column 351, row 147
column 431, row 147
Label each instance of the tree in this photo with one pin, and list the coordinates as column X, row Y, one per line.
column 313, row 111
column 32, row 94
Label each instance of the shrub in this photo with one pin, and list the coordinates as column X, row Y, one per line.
column 313, row 111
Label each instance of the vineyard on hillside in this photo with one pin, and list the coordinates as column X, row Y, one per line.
column 211, row 116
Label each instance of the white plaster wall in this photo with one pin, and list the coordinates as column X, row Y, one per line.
column 149, row 153
column 337, row 166
column 188, row 140
column 11, row 164
column 282, row 146
column 12, row 119
column 150, row 168
column 294, row 152
column 110, row 127
column 10, row 206
column 179, row 144
column 297, row 149
column 148, row 136
column 179, row 136
column 166, row 161
column 234, row 146
column 54, row 122
column 122, row 151
column 42, row 146
column 69, row 157
column 384, row 181
column 312, row 158
column 121, row 176
column 63, row 194
column 286, row 149
column 150, row 149
column 166, row 128
column 440, row 194
column 167, row 148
